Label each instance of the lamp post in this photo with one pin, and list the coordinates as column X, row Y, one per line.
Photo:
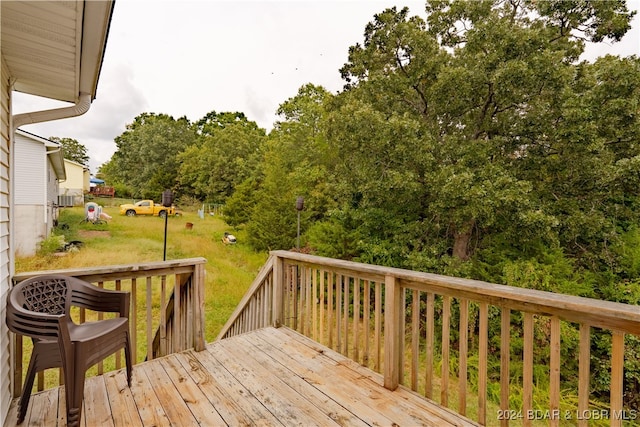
column 299, row 207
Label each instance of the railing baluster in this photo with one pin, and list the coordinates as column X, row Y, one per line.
column 583, row 374
column 505, row 356
column 527, row 369
column 483, row 348
column 314, row 303
column 554, row 372
column 346, row 280
column 295, row 286
column 462, row 350
column 321, row 304
column 356, row 319
column 338, row 312
column 446, row 338
column 330, row 311
column 148, row 291
column 177, row 315
column 309, row 299
column 304, row 308
column 366, row 318
column 403, row 335
column 429, row 337
column 286, row 291
column 188, row 314
column 415, row 338
column 378, row 326
column 198, row 281
column 163, row 315
column 118, row 286
column 100, row 317
column 617, row 378
column 133, row 320
column 264, row 307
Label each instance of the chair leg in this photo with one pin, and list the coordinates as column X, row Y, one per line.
column 75, row 395
column 26, row 390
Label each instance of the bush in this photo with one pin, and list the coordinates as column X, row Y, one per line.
column 51, row 244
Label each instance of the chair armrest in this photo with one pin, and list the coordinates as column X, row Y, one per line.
column 92, row 297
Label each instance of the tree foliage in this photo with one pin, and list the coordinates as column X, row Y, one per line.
column 146, row 160
column 294, row 164
column 73, row 150
column 227, row 153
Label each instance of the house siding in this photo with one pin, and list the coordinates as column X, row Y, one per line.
column 30, row 158
column 29, row 229
column 31, row 173
column 5, row 241
column 74, row 185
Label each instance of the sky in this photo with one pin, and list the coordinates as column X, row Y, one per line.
column 188, row 58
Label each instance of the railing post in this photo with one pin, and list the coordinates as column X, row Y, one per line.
column 277, row 316
column 393, row 304
column 198, row 302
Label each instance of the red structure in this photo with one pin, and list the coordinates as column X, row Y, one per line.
column 103, row 191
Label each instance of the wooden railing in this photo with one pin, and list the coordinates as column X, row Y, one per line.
column 162, row 321
column 431, row 333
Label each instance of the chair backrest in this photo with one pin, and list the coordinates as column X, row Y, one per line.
column 45, row 294
column 35, row 305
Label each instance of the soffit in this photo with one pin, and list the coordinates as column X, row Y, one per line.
column 55, row 49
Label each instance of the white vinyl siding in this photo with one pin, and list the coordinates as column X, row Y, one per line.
column 31, row 161
column 5, row 261
column 35, row 195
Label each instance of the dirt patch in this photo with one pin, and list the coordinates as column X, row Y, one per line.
column 94, row 233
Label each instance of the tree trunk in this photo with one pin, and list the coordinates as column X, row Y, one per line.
column 461, row 241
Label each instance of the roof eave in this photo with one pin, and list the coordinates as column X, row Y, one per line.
column 95, row 31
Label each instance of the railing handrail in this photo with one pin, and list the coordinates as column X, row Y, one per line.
column 98, row 273
column 606, row 314
column 255, row 287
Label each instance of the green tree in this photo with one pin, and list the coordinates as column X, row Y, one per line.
column 146, row 159
column 239, row 206
column 465, row 95
column 295, row 164
column 228, row 152
column 213, row 121
column 73, row 150
column 586, row 164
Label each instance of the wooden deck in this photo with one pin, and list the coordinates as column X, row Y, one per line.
column 266, row 377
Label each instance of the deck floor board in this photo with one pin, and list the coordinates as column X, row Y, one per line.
column 269, row 377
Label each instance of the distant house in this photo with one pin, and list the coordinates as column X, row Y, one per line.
column 73, row 189
column 39, row 169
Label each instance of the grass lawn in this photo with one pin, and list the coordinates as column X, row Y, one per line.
column 230, row 269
